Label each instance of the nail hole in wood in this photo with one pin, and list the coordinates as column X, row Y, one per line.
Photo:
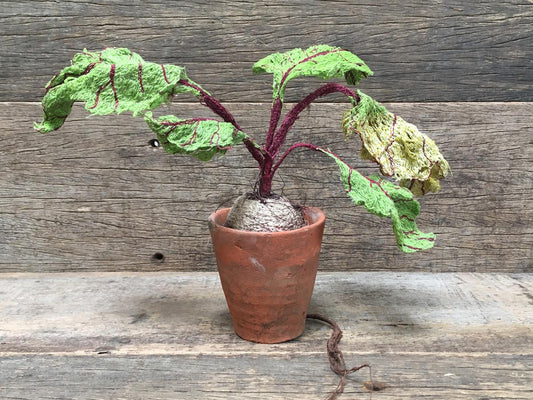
column 158, row 257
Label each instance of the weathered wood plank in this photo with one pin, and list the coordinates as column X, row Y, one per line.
column 420, row 51
column 162, row 313
column 167, row 336
column 96, row 196
column 420, row 376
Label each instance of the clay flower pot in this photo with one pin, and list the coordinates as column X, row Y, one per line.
column 268, row 278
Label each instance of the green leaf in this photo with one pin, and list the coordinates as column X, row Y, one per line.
column 322, row 61
column 199, row 137
column 400, row 149
column 385, row 199
column 111, row 81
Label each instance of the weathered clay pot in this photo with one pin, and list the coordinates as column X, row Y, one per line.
column 268, row 278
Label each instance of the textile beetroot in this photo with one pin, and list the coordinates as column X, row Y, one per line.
column 118, row 80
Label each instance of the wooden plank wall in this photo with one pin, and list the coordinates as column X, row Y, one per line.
column 96, row 196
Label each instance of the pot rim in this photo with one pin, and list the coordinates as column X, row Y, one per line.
column 313, row 215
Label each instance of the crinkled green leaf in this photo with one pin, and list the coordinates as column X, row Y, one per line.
column 322, row 61
column 396, row 145
column 199, row 137
column 111, row 81
column 385, row 199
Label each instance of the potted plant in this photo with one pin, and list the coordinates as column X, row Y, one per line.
column 266, row 270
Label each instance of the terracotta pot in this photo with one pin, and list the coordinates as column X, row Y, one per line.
column 268, row 278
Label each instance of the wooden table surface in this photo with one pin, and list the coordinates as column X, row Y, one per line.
column 169, row 336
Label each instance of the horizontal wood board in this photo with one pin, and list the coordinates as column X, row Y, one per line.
column 295, row 377
column 168, row 336
column 454, row 50
column 96, row 196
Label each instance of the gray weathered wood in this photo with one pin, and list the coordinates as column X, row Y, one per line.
column 160, row 313
column 168, row 336
column 290, row 376
column 94, row 195
column 438, row 51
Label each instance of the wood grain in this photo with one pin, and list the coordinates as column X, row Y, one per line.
column 419, row 50
column 461, row 377
column 168, row 336
column 96, row 196
column 185, row 313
